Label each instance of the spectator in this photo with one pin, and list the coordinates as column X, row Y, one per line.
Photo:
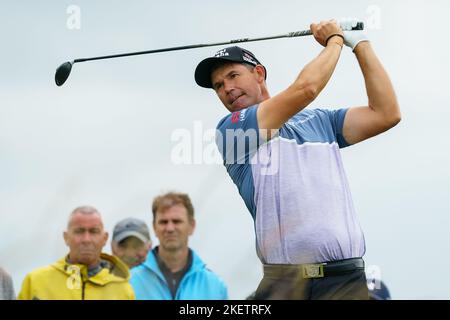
column 6, row 286
column 173, row 270
column 85, row 273
column 131, row 241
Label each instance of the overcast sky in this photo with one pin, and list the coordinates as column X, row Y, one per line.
column 106, row 137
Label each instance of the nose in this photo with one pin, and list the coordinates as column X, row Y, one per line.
column 141, row 254
column 227, row 86
column 170, row 227
column 86, row 237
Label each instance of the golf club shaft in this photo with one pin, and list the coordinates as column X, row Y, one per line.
column 360, row 26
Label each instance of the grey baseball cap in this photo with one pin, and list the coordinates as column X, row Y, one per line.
column 131, row 227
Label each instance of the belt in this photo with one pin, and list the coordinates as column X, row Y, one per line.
column 314, row 271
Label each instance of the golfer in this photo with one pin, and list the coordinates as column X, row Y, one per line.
column 285, row 161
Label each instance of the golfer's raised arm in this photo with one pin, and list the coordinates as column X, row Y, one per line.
column 274, row 112
column 382, row 111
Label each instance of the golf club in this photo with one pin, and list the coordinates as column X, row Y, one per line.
column 63, row 71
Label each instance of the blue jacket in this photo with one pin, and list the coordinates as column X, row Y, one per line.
column 199, row 283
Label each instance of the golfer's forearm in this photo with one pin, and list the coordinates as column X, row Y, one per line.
column 379, row 88
column 316, row 74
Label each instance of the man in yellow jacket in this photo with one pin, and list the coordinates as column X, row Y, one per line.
column 85, row 273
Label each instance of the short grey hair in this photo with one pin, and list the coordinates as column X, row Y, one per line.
column 86, row 210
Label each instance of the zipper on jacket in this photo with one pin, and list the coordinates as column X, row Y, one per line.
column 187, row 275
column 82, row 290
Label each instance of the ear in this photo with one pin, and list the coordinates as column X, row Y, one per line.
column 114, row 247
column 66, row 238
column 193, row 224
column 105, row 237
column 261, row 73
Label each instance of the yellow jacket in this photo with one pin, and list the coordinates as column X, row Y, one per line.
column 64, row 281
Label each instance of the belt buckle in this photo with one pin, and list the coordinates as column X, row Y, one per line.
column 312, row 271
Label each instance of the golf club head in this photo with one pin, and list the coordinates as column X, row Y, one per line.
column 62, row 73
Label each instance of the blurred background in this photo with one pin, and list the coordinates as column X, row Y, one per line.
column 109, row 136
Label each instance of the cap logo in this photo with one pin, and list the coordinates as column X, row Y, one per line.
column 249, row 58
column 222, row 53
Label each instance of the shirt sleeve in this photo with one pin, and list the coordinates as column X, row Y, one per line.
column 336, row 119
column 237, row 136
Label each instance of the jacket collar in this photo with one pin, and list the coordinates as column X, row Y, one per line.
column 117, row 271
column 152, row 264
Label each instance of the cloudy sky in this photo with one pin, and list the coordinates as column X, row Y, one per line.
column 106, row 138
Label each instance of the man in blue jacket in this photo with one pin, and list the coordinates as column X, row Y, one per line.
column 173, row 270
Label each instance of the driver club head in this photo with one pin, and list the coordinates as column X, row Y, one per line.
column 62, row 73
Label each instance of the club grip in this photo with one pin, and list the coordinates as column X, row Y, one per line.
column 359, row 26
